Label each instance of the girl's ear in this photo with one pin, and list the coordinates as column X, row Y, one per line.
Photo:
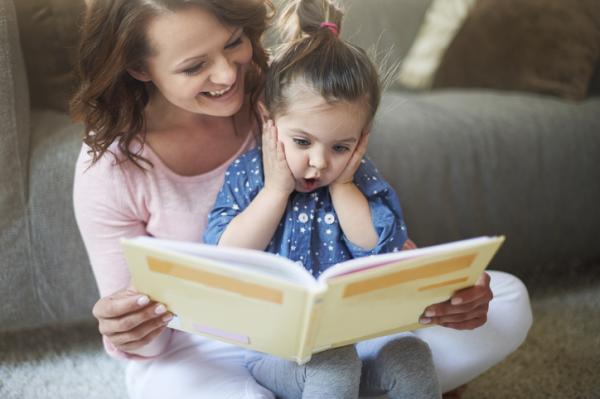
column 139, row 74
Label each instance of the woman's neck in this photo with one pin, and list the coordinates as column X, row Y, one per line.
column 191, row 144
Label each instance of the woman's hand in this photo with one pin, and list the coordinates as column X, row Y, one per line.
column 347, row 175
column 409, row 244
column 466, row 310
column 130, row 320
column 277, row 172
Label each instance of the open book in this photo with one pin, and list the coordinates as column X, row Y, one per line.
column 271, row 304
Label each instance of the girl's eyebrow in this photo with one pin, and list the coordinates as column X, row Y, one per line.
column 233, row 34
column 300, row 131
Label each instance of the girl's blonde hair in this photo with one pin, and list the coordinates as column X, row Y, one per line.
column 315, row 55
column 109, row 101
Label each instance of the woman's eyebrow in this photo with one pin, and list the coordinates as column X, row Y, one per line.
column 233, row 34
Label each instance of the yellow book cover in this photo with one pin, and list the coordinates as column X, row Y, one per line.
column 271, row 304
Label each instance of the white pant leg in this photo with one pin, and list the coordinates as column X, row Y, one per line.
column 460, row 356
column 194, row 367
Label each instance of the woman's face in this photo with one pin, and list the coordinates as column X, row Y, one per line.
column 198, row 64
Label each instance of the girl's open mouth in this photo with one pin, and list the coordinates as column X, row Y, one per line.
column 310, row 184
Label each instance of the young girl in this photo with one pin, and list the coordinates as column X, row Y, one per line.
column 320, row 202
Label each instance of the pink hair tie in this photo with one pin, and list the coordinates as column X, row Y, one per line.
column 331, row 26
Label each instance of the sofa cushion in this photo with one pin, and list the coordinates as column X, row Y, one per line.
column 15, row 272
column 61, row 274
column 470, row 163
column 49, row 36
column 545, row 46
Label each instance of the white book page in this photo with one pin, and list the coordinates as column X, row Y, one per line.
column 260, row 262
column 355, row 265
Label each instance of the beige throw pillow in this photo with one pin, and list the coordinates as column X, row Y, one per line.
column 441, row 23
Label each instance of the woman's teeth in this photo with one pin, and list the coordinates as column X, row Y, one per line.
column 218, row 93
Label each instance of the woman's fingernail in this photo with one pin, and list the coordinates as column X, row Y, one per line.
column 160, row 309
column 143, row 300
column 430, row 313
column 456, row 301
column 424, row 320
column 167, row 318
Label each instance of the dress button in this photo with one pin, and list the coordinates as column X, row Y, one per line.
column 329, row 218
column 303, row 217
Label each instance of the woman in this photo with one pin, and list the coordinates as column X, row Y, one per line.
column 168, row 98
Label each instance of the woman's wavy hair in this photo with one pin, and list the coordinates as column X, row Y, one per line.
column 314, row 54
column 109, row 101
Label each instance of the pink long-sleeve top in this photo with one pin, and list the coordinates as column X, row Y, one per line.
column 119, row 200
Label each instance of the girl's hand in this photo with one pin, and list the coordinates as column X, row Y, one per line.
column 466, row 310
column 277, row 172
column 130, row 320
column 347, row 175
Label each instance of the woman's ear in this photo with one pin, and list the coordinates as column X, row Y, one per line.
column 140, row 74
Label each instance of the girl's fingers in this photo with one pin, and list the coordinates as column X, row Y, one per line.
column 280, row 152
column 362, row 145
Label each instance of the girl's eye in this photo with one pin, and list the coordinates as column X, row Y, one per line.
column 301, row 142
column 193, row 70
column 340, row 148
column 234, row 44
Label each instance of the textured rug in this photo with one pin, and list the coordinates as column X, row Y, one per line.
column 560, row 358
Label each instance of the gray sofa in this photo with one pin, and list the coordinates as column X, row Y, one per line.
column 464, row 163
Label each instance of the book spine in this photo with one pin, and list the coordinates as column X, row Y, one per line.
column 310, row 327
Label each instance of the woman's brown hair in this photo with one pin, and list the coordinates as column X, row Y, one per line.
column 315, row 55
column 109, row 101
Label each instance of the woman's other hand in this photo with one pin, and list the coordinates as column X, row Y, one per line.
column 466, row 310
column 130, row 320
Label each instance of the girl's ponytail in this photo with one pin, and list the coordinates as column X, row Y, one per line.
column 315, row 55
column 301, row 18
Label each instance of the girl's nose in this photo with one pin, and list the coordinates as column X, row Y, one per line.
column 224, row 72
column 318, row 160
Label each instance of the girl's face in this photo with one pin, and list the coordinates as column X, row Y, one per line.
column 319, row 138
column 198, row 64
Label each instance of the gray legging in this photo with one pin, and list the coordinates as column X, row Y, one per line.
column 401, row 367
